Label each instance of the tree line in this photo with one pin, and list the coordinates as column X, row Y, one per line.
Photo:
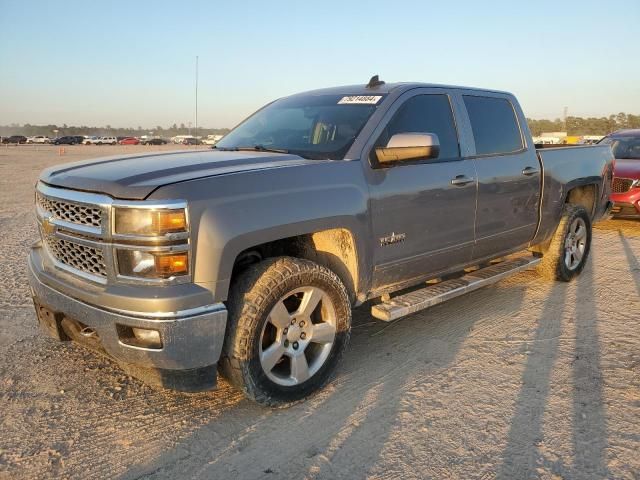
column 585, row 126
column 573, row 126
column 29, row 130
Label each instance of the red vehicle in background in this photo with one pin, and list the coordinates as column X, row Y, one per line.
column 129, row 141
column 626, row 175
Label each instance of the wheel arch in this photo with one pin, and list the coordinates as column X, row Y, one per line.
column 585, row 195
column 334, row 248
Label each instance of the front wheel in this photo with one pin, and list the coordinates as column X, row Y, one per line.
column 569, row 249
column 289, row 324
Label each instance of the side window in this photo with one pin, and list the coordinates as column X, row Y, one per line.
column 494, row 124
column 426, row 114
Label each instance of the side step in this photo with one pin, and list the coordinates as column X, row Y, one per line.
column 429, row 296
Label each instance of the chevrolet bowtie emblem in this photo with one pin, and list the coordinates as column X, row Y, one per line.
column 48, row 226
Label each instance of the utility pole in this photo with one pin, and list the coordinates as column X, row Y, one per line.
column 566, row 111
column 196, row 128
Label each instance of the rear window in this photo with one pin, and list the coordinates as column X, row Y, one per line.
column 494, row 124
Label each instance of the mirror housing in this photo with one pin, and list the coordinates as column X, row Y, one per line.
column 408, row 146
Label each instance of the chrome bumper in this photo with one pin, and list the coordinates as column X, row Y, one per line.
column 191, row 339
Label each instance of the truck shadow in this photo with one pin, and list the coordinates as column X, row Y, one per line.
column 525, row 452
column 384, row 363
column 634, row 264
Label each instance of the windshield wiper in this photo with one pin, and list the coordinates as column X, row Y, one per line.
column 255, row 148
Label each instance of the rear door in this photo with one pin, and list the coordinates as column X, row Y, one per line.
column 508, row 172
column 422, row 222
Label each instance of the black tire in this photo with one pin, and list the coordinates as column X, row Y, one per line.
column 252, row 297
column 554, row 263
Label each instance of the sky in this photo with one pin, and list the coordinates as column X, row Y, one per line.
column 132, row 63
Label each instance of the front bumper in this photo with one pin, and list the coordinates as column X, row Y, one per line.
column 626, row 204
column 191, row 338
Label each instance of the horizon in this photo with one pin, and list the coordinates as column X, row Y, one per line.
column 205, row 127
column 87, row 65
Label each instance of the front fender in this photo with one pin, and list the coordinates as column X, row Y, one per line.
column 233, row 213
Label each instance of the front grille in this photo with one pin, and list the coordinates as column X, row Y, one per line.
column 622, row 185
column 74, row 255
column 71, row 212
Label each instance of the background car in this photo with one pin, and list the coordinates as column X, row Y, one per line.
column 39, row 139
column 15, row 139
column 106, row 141
column 211, row 139
column 191, row 141
column 129, row 141
column 154, row 141
column 100, row 141
column 626, row 175
column 68, row 140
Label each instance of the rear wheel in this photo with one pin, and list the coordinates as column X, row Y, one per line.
column 570, row 245
column 289, row 323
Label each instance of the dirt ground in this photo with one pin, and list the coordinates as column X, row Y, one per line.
column 524, row 379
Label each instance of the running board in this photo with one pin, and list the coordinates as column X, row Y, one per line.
column 429, row 296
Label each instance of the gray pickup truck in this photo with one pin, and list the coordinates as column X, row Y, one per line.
column 246, row 259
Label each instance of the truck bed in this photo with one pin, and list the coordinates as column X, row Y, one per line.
column 567, row 166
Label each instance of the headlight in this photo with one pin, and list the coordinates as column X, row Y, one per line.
column 149, row 222
column 137, row 263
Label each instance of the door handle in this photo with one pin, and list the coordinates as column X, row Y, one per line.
column 461, row 180
column 528, row 171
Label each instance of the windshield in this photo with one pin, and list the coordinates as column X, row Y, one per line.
column 312, row 126
column 624, row 147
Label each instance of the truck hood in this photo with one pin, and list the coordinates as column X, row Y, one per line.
column 627, row 168
column 134, row 177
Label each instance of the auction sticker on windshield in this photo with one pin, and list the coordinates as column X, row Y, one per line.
column 364, row 99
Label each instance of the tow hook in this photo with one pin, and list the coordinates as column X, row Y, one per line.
column 88, row 332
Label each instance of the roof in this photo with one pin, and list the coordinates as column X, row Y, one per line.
column 361, row 89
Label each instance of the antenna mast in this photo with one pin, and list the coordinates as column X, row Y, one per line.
column 196, row 126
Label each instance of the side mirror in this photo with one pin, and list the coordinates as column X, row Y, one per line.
column 409, row 146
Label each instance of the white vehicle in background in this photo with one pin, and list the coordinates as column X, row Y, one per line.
column 179, row 139
column 106, row 141
column 39, row 139
column 211, row 139
column 88, row 140
column 546, row 140
column 590, row 139
column 100, row 141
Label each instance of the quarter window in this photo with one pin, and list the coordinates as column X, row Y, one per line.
column 426, row 114
column 494, row 124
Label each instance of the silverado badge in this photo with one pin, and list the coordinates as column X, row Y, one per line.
column 393, row 238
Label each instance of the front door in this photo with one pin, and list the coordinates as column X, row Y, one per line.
column 423, row 212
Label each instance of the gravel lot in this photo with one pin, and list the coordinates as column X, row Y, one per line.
column 524, row 379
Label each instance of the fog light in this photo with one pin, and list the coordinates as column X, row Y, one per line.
column 139, row 337
column 150, row 338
